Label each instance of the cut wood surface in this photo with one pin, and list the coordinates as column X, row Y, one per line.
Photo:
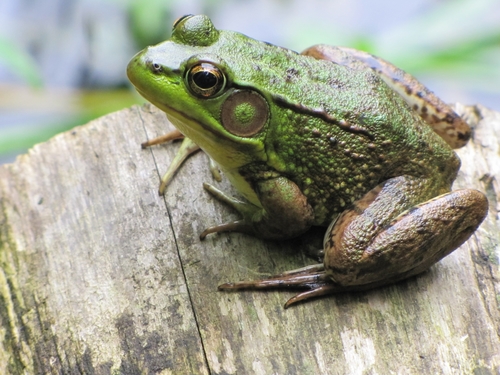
column 100, row 275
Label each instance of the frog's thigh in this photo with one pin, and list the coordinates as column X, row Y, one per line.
column 409, row 244
column 286, row 212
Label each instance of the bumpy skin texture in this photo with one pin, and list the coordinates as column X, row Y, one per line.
column 305, row 139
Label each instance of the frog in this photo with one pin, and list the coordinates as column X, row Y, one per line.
column 331, row 137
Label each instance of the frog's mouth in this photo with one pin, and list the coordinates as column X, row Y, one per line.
column 181, row 119
column 227, row 152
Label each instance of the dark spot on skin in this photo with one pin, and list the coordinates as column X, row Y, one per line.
column 336, row 84
column 291, row 72
column 424, row 109
column 423, row 144
column 331, row 243
column 415, row 107
column 435, row 118
column 463, row 136
column 408, row 90
column 420, row 94
column 449, row 118
column 276, row 146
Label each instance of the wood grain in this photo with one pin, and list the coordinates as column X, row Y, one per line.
column 100, row 275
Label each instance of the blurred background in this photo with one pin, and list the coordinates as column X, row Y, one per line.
column 62, row 63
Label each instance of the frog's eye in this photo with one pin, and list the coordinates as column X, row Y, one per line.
column 205, row 80
column 244, row 113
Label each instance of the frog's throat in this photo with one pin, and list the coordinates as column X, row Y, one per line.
column 232, row 160
column 224, row 151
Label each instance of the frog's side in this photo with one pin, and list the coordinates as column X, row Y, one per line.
column 311, row 142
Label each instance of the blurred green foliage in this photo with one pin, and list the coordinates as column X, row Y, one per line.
column 149, row 21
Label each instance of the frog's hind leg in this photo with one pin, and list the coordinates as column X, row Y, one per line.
column 384, row 238
column 360, row 254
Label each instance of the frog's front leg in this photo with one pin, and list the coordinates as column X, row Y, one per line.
column 283, row 212
column 385, row 237
column 188, row 147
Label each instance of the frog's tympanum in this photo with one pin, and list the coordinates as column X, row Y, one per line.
column 331, row 137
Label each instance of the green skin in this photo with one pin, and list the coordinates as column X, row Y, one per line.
column 336, row 138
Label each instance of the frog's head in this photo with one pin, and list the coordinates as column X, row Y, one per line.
column 187, row 77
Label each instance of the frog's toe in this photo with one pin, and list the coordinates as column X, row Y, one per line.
column 170, row 136
column 234, row 226
column 319, row 291
column 214, row 169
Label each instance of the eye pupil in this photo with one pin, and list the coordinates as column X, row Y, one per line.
column 205, row 79
column 157, row 67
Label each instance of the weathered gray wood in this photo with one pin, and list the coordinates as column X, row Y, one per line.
column 100, row 275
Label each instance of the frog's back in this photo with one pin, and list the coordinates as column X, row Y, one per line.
column 320, row 89
column 338, row 132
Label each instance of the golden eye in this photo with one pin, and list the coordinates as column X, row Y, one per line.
column 205, row 80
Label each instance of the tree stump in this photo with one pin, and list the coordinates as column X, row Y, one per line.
column 100, row 275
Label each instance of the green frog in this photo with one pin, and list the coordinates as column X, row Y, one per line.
column 331, row 137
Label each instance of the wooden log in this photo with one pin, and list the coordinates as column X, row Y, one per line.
column 101, row 275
